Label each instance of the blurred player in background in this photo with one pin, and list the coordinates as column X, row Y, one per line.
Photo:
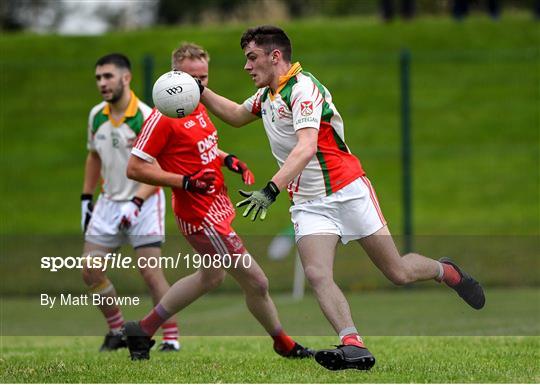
column 332, row 198
column 184, row 155
column 126, row 211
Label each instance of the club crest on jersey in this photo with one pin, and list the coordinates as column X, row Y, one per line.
column 306, row 108
column 130, row 142
column 234, row 241
column 282, row 112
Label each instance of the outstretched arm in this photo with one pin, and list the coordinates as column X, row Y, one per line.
column 230, row 112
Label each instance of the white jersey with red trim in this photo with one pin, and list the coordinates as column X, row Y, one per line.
column 113, row 140
column 301, row 101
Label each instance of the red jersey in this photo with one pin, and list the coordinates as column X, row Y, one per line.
column 185, row 146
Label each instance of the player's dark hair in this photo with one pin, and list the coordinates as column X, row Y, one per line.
column 118, row 59
column 269, row 38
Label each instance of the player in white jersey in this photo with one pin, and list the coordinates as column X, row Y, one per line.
column 126, row 211
column 332, row 198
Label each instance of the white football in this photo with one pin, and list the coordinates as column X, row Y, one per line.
column 176, row 94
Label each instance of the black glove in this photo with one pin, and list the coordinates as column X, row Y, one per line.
column 87, row 206
column 201, row 87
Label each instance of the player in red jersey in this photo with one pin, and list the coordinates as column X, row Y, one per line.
column 184, row 155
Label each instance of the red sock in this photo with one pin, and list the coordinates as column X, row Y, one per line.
column 450, row 275
column 154, row 320
column 352, row 339
column 170, row 331
column 114, row 318
column 282, row 342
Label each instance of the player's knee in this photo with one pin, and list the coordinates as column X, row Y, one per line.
column 91, row 276
column 87, row 275
column 152, row 277
column 213, row 280
column 260, row 285
column 317, row 277
column 216, row 281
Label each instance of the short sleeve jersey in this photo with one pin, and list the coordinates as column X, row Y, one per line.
column 185, row 146
column 301, row 101
column 113, row 142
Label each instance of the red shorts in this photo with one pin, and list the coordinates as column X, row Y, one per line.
column 217, row 239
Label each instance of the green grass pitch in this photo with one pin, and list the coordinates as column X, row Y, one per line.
column 416, row 336
column 251, row 360
column 475, row 99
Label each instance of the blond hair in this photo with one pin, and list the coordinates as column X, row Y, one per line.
column 190, row 51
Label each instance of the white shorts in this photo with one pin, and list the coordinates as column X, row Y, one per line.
column 103, row 227
column 352, row 213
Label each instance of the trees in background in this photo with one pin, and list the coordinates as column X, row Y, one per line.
column 200, row 11
column 76, row 17
column 94, row 17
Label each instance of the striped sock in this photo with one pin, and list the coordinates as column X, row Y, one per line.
column 114, row 318
column 112, row 314
column 154, row 320
column 170, row 331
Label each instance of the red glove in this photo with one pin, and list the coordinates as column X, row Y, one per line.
column 201, row 182
column 236, row 165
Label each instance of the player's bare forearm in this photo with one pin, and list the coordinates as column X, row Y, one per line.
column 298, row 158
column 230, row 112
column 222, row 154
column 150, row 173
column 146, row 190
column 92, row 172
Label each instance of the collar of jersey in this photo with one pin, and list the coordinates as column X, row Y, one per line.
column 295, row 69
column 131, row 110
